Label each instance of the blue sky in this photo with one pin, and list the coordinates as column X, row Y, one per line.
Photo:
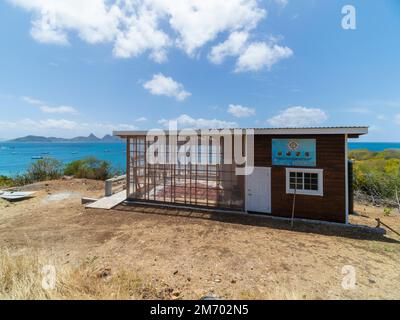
column 69, row 69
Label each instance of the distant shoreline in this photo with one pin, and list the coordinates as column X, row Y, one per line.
column 41, row 139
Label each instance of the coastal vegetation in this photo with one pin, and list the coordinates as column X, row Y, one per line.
column 90, row 168
column 41, row 170
column 377, row 176
column 6, row 181
column 51, row 169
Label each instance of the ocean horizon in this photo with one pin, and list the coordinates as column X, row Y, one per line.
column 15, row 157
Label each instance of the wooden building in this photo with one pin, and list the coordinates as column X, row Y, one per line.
column 304, row 167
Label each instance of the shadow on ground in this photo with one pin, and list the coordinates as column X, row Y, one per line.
column 260, row 221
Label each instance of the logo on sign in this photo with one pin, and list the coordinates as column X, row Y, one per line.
column 293, row 145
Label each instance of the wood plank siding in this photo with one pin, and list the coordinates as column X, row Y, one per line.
column 330, row 158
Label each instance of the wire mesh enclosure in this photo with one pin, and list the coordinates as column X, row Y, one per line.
column 203, row 181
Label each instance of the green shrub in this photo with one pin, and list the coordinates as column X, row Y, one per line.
column 378, row 175
column 41, row 170
column 45, row 169
column 362, row 154
column 389, row 154
column 51, row 169
column 89, row 168
column 6, row 181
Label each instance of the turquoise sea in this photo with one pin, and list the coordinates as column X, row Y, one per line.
column 16, row 157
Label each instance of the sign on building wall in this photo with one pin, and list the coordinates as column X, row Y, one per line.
column 294, row 152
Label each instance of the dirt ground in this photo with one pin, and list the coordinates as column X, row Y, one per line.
column 196, row 254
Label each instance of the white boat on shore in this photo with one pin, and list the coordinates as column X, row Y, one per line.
column 15, row 195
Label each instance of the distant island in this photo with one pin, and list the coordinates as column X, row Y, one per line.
column 90, row 138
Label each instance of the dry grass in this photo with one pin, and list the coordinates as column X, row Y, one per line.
column 280, row 293
column 21, row 278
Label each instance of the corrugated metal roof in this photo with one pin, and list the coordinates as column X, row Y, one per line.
column 327, row 127
column 350, row 130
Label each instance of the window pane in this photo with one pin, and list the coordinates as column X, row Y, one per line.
column 304, row 181
column 300, row 181
column 314, row 181
column 314, row 187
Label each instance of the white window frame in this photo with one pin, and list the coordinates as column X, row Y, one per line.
column 319, row 192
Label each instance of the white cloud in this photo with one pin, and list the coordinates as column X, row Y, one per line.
column 185, row 121
column 198, row 22
column 140, row 33
column 42, row 31
column 259, row 55
column 57, row 124
column 46, row 109
column 159, row 56
column 165, row 86
column 239, row 111
column 39, row 124
column 60, row 109
column 233, row 46
column 298, row 117
column 5, row 125
column 141, row 119
column 252, row 56
column 135, row 27
column 106, row 127
column 94, row 20
column 58, row 127
column 32, row 101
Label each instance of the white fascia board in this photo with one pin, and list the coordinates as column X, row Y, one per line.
column 313, row 131
column 271, row 131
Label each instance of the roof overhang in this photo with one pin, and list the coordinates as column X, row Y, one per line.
column 351, row 132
